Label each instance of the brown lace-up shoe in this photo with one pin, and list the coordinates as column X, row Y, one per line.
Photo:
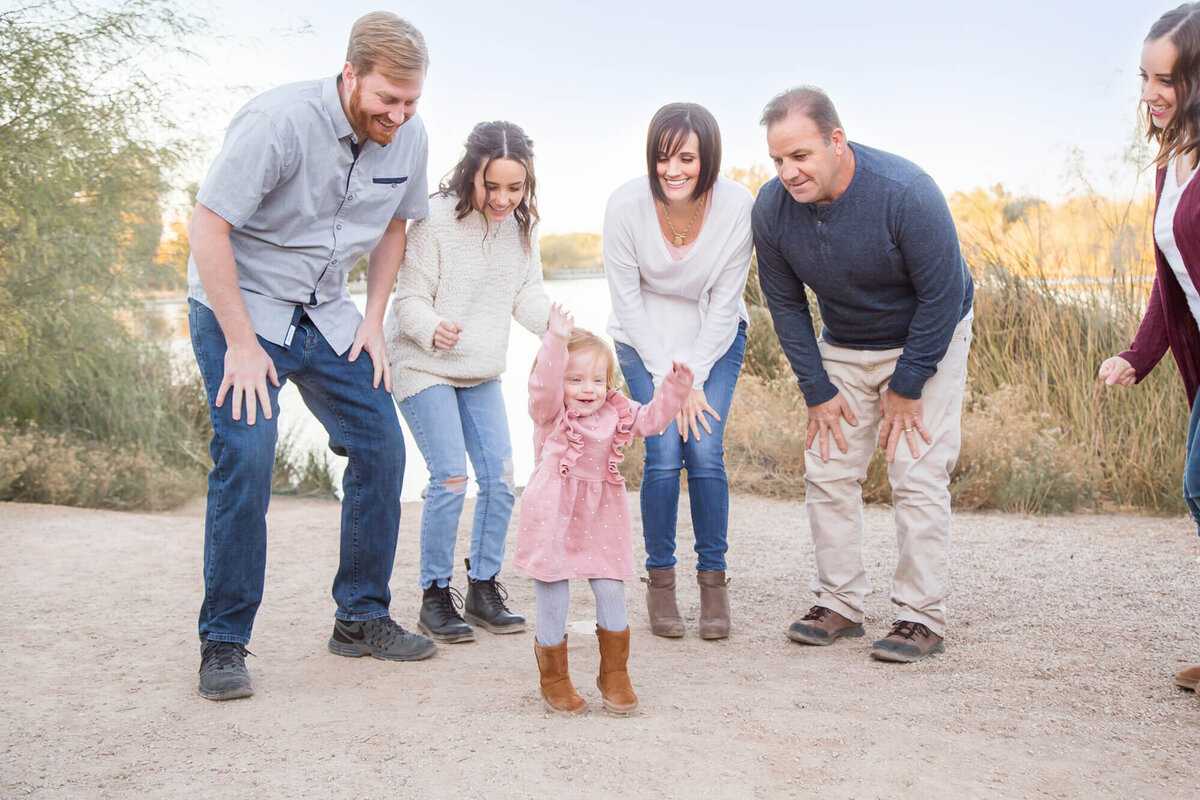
column 1188, row 677
column 823, row 626
column 908, row 641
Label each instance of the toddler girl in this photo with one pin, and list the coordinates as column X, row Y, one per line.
column 574, row 522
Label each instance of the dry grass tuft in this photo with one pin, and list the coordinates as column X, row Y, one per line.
column 43, row 467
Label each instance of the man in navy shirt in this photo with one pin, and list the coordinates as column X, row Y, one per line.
column 870, row 234
column 311, row 177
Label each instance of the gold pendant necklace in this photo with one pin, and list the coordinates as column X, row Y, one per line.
column 680, row 236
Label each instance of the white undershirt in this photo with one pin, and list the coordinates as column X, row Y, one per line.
column 1164, row 236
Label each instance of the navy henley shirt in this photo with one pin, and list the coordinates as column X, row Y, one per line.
column 884, row 262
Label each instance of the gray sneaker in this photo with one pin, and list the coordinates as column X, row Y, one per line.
column 381, row 637
column 223, row 674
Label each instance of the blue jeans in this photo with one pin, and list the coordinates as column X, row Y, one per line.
column 449, row 424
column 362, row 426
column 704, row 459
column 1191, row 465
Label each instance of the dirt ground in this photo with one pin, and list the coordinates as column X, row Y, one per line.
column 1065, row 632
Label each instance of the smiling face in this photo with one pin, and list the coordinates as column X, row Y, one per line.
column 678, row 172
column 1158, row 90
column 812, row 169
column 585, row 382
column 499, row 188
column 376, row 106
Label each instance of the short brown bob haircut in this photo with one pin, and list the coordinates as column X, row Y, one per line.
column 384, row 43
column 807, row 101
column 669, row 130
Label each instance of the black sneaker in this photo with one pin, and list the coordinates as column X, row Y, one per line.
column 485, row 606
column 223, row 674
column 439, row 617
column 381, row 637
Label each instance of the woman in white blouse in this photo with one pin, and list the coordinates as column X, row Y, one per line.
column 677, row 248
column 1170, row 72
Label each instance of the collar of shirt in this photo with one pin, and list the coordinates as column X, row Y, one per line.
column 333, row 107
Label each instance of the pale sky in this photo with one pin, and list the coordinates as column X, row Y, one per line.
column 976, row 93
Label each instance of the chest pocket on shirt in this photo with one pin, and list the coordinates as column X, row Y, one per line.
column 393, row 182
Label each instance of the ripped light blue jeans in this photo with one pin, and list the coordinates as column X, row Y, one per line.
column 448, row 425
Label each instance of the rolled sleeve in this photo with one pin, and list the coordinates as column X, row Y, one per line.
column 252, row 162
column 415, row 204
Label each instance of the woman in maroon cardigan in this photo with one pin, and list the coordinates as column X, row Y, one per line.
column 1171, row 93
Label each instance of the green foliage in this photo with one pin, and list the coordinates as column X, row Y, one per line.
column 85, row 143
column 306, row 473
column 565, row 253
column 359, row 271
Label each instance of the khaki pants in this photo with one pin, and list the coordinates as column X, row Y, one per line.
column 920, row 487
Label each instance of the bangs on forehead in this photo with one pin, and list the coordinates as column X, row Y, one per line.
column 671, row 127
column 673, row 138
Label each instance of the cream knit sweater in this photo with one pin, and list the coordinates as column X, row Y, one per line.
column 468, row 272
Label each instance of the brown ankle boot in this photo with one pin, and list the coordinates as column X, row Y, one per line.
column 613, row 680
column 665, row 619
column 557, row 690
column 714, row 604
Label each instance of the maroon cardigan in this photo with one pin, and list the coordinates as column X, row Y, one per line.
column 1168, row 321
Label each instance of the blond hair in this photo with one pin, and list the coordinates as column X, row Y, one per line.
column 384, row 42
column 582, row 340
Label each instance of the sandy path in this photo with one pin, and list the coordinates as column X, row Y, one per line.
column 1056, row 683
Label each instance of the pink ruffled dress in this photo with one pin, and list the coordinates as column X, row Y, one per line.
column 574, row 511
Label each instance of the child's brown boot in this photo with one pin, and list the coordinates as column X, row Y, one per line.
column 613, row 681
column 557, row 689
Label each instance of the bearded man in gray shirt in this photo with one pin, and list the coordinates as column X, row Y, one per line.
column 871, row 235
column 311, row 177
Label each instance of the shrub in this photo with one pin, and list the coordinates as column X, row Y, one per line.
column 306, row 473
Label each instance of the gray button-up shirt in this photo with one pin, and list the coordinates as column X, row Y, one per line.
column 304, row 208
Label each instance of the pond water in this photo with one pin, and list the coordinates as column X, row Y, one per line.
column 587, row 298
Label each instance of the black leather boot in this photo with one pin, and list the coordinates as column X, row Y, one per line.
column 439, row 617
column 485, row 606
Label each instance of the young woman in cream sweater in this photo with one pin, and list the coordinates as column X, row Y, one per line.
column 470, row 267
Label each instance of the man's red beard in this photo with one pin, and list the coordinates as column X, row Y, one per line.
column 361, row 119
